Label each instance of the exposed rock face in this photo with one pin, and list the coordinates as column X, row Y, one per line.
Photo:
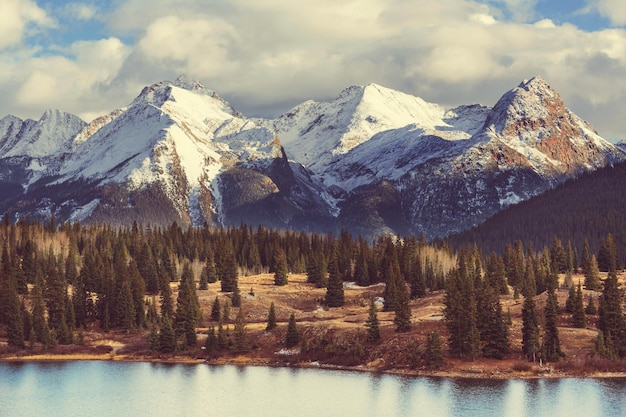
column 374, row 161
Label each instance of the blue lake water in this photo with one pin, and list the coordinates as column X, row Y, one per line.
column 100, row 388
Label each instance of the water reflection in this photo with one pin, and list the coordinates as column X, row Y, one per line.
column 141, row 389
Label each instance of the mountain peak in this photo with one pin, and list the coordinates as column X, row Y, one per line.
column 183, row 81
column 535, row 82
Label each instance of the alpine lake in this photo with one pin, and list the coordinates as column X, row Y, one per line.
column 109, row 388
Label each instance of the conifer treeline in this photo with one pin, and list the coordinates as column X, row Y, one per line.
column 474, row 318
column 56, row 280
column 586, row 208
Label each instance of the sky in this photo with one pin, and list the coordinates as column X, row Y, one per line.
column 91, row 57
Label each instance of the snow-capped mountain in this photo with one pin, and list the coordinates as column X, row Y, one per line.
column 374, row 160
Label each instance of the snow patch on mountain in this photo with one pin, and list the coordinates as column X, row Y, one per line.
column 316, row 133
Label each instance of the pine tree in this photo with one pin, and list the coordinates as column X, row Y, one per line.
column 167, row 337
column 372, row 324
column 239, row 333
column 402, row 318
column 361, row 274
column 292, row 337
column 592, row 275
column 281, row 271
column 236, row 298
column 125, row 314
column 188, row 311
column 571, row 297
column 558, row 256
column 167, row 308
column 334, row 291
column 610, row 316
column 226, row 312
column 433, row 354
column 316, row 270
column 215, row 310
column 530, row 329
column 227, row 270
column 15, row 329
column 591, row 309
column 460, row 313
column 607, row 254
column 551, row 348
column 494, row 332
column 578, row 310
column 209, row 270
column 394, row 281
column 271, row 318
column 211, row 341
column 495, row 274
column 153, row 338
column 222, row 341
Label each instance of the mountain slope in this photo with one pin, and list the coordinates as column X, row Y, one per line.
column 181, row 151
column 374, row 161
column 452, row 170
column 587, row 207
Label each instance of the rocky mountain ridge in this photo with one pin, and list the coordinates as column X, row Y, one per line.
column 373, row 161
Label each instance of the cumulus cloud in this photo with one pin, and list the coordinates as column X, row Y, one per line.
column 266, row 56
column 17, row 18
column 75, row 83
column 614, row 10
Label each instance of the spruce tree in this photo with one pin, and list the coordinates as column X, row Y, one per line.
column 167, row 308
column 361, row 274
column 402, row 318
column 607, row 254
column 281, row 271
column 433, row 354
column 271, row 318
column 571, row 298
column 188, row 311
column 610, row 316
column 530, row 329
column 495, row 274
column 215, row 310
column 125, row 314
column 372, row 323
column 551, row 347
column 15, row 329
column 292, row 337
column 592, row 275
column 239, row 334
column 591, row 309
column 492, row 325
column 226, row 312
column 211, row 344
column 334, row 291
column 460, row 311
column 578, row 310
column 236, row 298
column 227, row 271
column 167, row 337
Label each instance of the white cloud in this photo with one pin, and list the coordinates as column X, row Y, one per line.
column 520, row 10
column 77, row 84
column 265, row 56
column 81, row 11
column 17, row 18
column 614, row 10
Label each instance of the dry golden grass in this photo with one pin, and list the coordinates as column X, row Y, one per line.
column 338, row 328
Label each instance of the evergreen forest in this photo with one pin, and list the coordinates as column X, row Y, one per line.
column 178, row 291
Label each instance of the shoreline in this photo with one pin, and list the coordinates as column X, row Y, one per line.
column 472, row 373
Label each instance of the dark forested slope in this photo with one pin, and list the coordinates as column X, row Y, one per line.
column 588, row 207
